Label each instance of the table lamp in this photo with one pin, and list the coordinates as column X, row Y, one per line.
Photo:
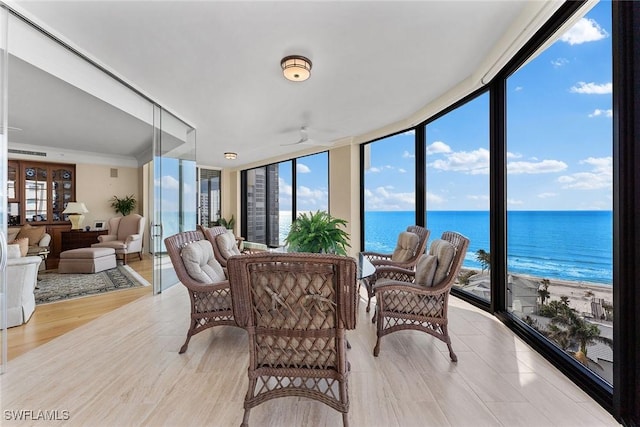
column 75, row 211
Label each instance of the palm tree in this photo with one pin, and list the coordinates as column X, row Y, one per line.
column 543, row 291
column 580, row 331
column 484, row 258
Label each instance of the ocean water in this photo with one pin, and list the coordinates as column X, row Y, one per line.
column 566, row 245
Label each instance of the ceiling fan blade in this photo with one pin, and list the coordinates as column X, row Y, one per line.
column 301, row 141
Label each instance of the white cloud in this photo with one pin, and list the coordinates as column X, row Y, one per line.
column 511, row 155
column 514, row 202
column 285, row 188
column 407, row 155
column 592, row 88
column 600, row 176
column 585, row 30
column 302, row 168
column 518, row 88
column 383, row 199
column 409, row 132
column 471, row 162
column 400, row 170
column 374, row 169
column 169, row 183
column 559, row 62
column 598, row 112
column 434, row 199
column 311, row 195
column 547, row 195
column 438, row 147
column 545, row 166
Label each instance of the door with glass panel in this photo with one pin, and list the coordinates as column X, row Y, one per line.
column 3, row 186
column 174, row 190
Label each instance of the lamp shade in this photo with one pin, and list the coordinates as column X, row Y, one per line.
column 75, row 208
column 75, row 211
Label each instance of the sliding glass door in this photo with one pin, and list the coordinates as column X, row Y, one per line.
column 4, row 129
column 174, row 190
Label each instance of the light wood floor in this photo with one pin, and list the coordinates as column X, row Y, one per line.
column 52, row 320
column 123, row 369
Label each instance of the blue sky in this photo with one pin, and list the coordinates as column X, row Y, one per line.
column 559, row 140
column 559, row 136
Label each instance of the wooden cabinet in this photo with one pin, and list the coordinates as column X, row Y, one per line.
column 74, row 239
column 56, row 244
column 37, row 193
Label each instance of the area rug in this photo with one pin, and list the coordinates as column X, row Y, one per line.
column 53, row 286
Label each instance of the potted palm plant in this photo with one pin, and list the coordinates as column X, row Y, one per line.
column 124, row 205
column 318, row 232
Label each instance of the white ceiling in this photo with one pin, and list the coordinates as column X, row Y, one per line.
column 377, row 67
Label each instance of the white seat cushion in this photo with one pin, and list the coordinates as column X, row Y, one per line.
column 227, row 244
column 200, row 264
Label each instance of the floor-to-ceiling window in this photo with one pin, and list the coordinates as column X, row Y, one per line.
column 272, row 193
column 208, row 197
column 389, row 190
column 457, row 182
column 265, row 190
column 559, row 191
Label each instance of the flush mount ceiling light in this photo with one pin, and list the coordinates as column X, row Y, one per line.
column 296, row 68
column 230, row 156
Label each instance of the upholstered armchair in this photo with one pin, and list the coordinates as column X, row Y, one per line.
column 410, row 246
column 296, row 308
column 125, row 236
column 418, row 299
column 22, row 276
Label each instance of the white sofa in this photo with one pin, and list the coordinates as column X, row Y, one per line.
column 22, row 276
column 12, row 233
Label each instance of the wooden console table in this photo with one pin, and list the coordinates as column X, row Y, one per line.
column 74, row 239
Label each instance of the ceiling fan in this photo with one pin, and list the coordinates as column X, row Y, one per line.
column 304, row 139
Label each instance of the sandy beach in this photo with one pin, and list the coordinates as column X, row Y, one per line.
column 580, row 293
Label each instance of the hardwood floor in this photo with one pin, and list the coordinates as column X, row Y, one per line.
column 52, row 320
column 123, row 368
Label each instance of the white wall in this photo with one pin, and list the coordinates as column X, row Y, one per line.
column 95, row 187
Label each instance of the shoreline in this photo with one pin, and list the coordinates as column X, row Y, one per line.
column 580, row 293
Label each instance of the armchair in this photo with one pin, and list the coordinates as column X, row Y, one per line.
column 224, row 243
column 125, row 236
column 22, row 276
column 192, row 258
column 410, row 246
column 296, row 308
column 408, row 299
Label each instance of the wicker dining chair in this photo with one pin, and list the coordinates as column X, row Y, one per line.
column 418, row 299
column 296, row 308
column 210, row 300
column 406, row 254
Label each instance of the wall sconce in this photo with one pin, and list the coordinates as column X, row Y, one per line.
column 75, row 211
column 230, row 156
column 296, row 68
